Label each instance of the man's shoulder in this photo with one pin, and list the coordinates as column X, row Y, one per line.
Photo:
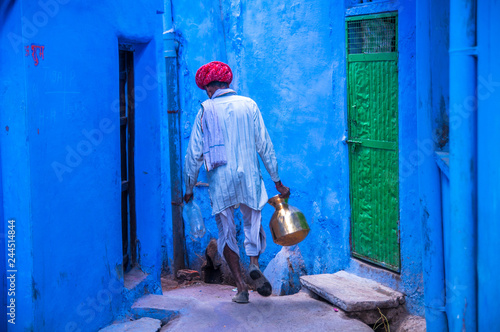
column 242, row 99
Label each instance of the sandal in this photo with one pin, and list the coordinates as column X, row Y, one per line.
column 241, row 297
column 263, row 285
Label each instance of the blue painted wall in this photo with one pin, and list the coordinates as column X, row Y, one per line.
column 488, row 164
column 432, row 109
column 68, row 222
column 290, row 58
column 3, row 259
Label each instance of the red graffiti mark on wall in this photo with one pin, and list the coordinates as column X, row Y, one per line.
column 7, row 128
column 36, row 50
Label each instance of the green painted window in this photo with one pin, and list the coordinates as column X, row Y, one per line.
column 372, row 79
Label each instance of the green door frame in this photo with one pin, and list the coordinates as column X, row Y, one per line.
column 373, row 150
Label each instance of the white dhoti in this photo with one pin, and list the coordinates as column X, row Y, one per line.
column 255, row 237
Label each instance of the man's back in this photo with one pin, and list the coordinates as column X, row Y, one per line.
column 245, row 135
column 237, row 119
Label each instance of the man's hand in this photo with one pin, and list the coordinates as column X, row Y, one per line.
column 188, row 197
column 284, row 191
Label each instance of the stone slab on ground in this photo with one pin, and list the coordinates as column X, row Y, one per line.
column 164, row 315
column 209, row 308
column 352, row 293
column 170, row 305
column 145, row 324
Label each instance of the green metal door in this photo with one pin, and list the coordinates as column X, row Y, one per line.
column 373, row 138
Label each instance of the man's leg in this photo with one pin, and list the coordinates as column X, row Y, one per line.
column 255, row 237
column 255, row 260
column 228, row 247
column 233, row 260
column 255, row 243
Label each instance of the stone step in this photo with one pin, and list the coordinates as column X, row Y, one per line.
column 358, row 297
column 151, row 312
column 352, row 293
column 159, row 307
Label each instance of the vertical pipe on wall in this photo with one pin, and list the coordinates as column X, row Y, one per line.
column 429, row 182
column 462, row 279
column 173, row 111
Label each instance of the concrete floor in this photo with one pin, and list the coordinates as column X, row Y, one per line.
column 205, row 307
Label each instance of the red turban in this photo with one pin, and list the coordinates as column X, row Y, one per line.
column 213, row 71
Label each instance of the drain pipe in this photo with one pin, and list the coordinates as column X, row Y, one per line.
column 462, row 280
column 174, row 138
column 429, row 183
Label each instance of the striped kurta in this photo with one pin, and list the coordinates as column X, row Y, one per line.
column 245, row 136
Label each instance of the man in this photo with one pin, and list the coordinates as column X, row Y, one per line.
column 227, row 135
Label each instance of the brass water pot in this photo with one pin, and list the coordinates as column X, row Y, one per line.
column 288, row 224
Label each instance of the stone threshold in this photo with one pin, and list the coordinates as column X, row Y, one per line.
column 360, row 298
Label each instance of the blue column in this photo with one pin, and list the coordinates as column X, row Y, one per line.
column 462, row 280
column 429, row 182
column 488, row 165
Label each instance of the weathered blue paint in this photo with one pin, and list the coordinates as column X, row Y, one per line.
column 15, row 162
column 64, row 110
column 428, row 32
column 463, row 170
column 3, row 262
column 488, row 123
column 290, row 58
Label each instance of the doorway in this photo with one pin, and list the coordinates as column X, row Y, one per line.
column 372, row 87
column 127, row 140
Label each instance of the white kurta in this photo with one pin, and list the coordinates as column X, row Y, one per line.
column 245, row 136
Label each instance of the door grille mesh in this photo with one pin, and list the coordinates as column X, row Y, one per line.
column 374, row 35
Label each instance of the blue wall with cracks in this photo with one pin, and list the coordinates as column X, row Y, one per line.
column 62, row 108
column 290, row 58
